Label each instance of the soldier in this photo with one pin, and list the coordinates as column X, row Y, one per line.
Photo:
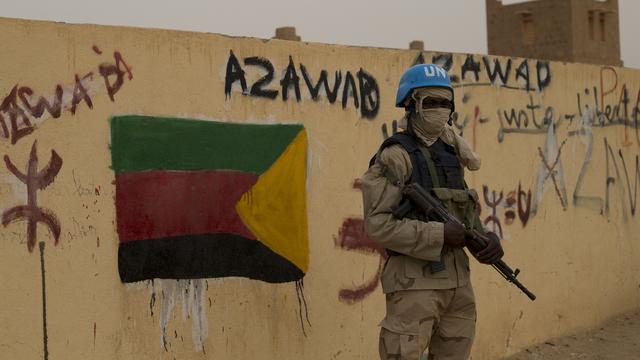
column 430, row 305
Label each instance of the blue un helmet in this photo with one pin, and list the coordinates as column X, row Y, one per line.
column 423, row 75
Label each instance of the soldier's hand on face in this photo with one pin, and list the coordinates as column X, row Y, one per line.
column 454, row 234
column 492, row 252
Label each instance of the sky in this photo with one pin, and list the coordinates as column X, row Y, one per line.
column 443, row 25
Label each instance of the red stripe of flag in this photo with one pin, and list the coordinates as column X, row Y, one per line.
column 159, row 204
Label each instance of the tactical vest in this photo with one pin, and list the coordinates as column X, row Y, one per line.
column 436, row 166
column 438, row 170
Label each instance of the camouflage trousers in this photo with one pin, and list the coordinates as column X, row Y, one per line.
column 437, row 323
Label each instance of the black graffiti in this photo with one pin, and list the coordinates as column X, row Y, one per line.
column 495, row 71
column 613, row 171
column 446, row 62
column 291, row 78
column 362, row 87
column 609, row 115
column 498, row 72
column 532, row 119
column 258, row 88
column 369, row 94
column 385, row 129
column 323, row 82
column 619, row 112
column 611, row 180
column 470, row 65
column 235, row 73
column 528, row 120
column 522, row 72
column 544, row 74
column 349, row 90
column 632, row 200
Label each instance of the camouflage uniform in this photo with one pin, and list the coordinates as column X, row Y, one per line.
column 427, row 312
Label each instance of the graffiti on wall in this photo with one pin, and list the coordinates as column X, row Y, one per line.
column 524, row 74
column 531, row 76
column 516, row 204
column 203, row 199
column 20, row 111
column 353, row 237
column 359, row 89
column 610, row 102
column 36, row 180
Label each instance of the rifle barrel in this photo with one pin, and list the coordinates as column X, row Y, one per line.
column 428, row 204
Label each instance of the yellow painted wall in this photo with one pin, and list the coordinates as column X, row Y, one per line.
column 578, row 246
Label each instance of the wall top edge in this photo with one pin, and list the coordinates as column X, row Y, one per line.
column 24, row 22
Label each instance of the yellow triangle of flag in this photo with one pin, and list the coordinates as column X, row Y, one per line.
column 275, row 208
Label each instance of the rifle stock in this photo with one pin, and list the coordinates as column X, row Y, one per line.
column 418, row 197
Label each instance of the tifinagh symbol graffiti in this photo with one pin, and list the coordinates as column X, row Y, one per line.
column 515, row 199
column 36, row 180
column 203, row 199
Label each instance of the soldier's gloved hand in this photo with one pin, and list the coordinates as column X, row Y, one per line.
column 492, row 252
column 454, row 234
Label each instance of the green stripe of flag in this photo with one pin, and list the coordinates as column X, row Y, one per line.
column 140, row 143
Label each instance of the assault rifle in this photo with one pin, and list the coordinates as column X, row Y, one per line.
column 416, row 196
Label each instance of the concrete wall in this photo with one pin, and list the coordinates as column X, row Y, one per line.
column 572, row 230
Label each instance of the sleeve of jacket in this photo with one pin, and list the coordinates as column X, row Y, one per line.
column 382, row 192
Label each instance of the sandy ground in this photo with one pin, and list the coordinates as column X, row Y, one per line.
column 617, row 339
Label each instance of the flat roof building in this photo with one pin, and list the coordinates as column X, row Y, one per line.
column 586, row 31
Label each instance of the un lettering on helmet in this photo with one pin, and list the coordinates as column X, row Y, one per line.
column 431, row 71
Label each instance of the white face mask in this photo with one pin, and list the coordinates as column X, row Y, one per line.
column 430, row 121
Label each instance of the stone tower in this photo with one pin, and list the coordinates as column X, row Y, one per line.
column 584, row 31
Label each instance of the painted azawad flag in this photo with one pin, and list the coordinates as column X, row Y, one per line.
column 205, row 199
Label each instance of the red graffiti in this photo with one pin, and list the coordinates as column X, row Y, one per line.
column 610, row 90
column 493, row 205
column 20, row 124
column 35, row 180
column 517, row 203
column 19, row 109
column 80, row 93
column 107, row 70
column 25, row 93
column 353, row 237
column 615, row 112
column 524, row 211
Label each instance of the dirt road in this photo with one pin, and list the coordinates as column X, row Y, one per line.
column 618, row 339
